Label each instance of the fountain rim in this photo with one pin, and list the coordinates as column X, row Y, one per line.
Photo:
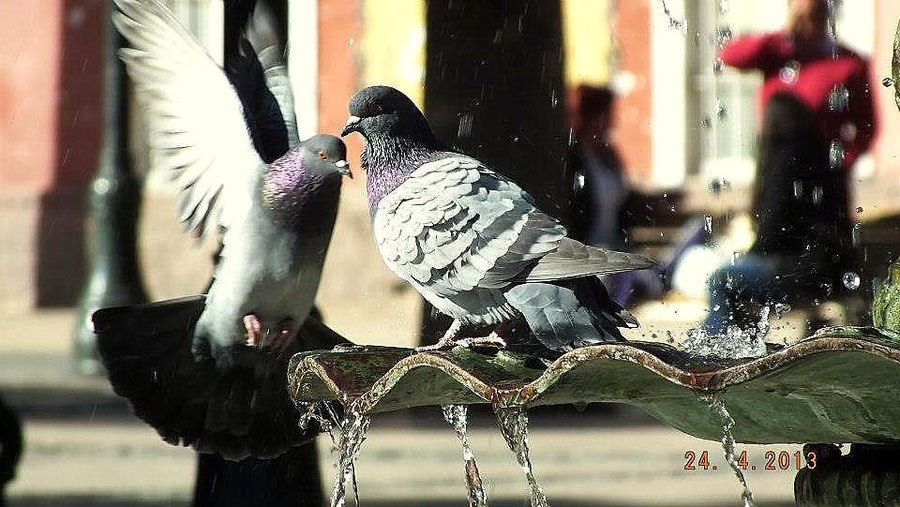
column 701, row 379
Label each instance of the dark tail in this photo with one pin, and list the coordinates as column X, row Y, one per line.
column 570, row 314
column 242, row 412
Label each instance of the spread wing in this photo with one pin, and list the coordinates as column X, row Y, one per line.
column 255, row 64
column 455, row 225
column 195, row 120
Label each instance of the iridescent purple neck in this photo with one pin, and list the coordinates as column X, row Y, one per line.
column 388, row 162
column 289, row 189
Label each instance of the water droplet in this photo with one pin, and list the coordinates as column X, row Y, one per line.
column 721, row 110
column 798, row 189
column 817, row 195
column 705, row 123
column 836, row 154
column 789, row 72
column 781, row 309
column 850, row 280
column 859, row 209
column 887, row 82
column 718, row 66
column 670, row 337
column 707, row 224
column 838, row 98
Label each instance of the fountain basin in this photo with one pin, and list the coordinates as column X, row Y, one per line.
column 840, row 385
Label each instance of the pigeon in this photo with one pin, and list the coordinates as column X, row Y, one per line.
column 472, row 241
column 209, row 370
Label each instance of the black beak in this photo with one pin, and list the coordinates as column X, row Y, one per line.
column 351, row 126
column 344, row 168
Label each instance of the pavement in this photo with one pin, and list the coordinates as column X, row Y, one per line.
column 84, row 448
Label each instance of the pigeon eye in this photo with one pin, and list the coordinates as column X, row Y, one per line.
column 322, row 155
column 377, row 107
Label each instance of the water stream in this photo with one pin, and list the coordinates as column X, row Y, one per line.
column 513, row 423
column 348, row 432
column 717, row 406
column 457, row 416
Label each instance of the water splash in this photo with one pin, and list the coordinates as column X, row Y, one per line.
column 314, row 412
column 781, row 309
column 457, row 416
column 717, row 405
column 762, row 326
column 734, row 343
column 707, row 224
column 513, row 423
column 351, row 433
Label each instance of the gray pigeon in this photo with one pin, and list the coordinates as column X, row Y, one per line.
column 221, row 358
column 473, row 243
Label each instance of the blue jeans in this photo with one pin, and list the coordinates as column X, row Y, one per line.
column 737, row 291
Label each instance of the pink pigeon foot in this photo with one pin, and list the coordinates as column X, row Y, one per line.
column 254, row 329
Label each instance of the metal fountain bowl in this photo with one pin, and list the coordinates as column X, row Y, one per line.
column 839, row 385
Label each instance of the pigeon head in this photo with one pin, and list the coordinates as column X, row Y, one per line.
column 305, row 179
column 325, row 155
column 385, row 111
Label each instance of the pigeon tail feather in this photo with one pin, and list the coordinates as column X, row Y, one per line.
column 146, row 350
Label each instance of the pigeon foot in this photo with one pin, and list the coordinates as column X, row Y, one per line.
column 448, row 341
column 253, row 326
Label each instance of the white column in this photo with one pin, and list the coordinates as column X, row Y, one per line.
column 303, row 61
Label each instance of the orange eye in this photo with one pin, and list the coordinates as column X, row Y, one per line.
column 322, row 155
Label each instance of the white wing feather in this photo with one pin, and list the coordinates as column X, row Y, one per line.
column 195, row 119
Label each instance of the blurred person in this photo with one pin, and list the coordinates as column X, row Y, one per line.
column 601, row 192
column 818, row 118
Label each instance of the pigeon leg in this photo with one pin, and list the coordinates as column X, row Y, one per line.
column 447, row 341
column 254, row 329
column 284, row 328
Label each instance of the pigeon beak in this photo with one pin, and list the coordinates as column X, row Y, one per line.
column 344, row 168
column 351, row 126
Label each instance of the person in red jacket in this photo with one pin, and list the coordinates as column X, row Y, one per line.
column 818, row 118
column 803, row 60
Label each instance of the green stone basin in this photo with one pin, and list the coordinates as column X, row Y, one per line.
column 840, row 385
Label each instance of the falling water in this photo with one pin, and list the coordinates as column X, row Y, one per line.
column 351, row 433
column 513, row 423
column 717, row 406
column 456, row 416
column 674, row 23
